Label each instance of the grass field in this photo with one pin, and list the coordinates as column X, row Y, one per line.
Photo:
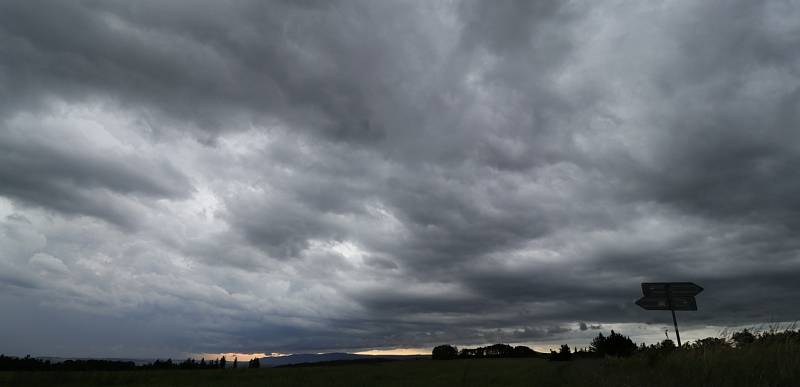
column 774, row 365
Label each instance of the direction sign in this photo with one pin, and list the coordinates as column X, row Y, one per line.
column 672, row 303
column 670, row 296
column 653, row 303
column 665, row 289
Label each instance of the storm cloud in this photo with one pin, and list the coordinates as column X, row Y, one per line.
column 311, row 176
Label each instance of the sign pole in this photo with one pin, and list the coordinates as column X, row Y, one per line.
column 670, row 296
column 675, row 321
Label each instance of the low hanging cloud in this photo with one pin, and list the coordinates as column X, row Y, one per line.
column 303, row 176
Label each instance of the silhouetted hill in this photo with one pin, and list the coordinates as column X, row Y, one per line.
column 310, row 358
column 55, row 359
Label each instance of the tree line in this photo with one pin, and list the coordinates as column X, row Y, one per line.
column 617, row 345
column 614, row 344
column 28, row 363
column 444, row 352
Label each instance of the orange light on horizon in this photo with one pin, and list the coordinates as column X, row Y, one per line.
column 396, row 351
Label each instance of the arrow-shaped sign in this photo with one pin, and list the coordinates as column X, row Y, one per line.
column 665, row 289
column 663, row 303
column 670, row 296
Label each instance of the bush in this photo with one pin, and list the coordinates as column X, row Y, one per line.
column 709, row 344
column 667, row 345
column 743, row 338
column 498, row 350
column 444, row 352
column 614, row 344
column 563, row 354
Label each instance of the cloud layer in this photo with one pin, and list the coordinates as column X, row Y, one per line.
column 309, row 176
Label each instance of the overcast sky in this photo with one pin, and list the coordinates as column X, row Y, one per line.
column 204, row 176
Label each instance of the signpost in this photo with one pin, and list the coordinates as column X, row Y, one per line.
column 670, row 296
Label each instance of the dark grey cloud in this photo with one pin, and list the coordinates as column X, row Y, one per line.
column 42, row 166
column 220, row 66
column 349, row 175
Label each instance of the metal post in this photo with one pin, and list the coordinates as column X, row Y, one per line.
column 675, row 321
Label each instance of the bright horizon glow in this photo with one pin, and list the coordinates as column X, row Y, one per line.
column 396, row 351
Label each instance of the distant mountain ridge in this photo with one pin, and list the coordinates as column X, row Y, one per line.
column 302, row 358
column 56, row 359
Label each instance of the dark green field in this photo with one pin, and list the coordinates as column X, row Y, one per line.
column 775, row 365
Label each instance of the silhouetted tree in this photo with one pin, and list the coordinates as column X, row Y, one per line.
column 563, row 354
column 188, row 364
column 614, row 344
column 473, row 352
column 11, row 363
column 499, row 350
column 444, row 352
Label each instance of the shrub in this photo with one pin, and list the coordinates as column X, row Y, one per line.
column 563, row 354
column 444, row 352
column 709, row 343
column 743, row 338
column 614, row 344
